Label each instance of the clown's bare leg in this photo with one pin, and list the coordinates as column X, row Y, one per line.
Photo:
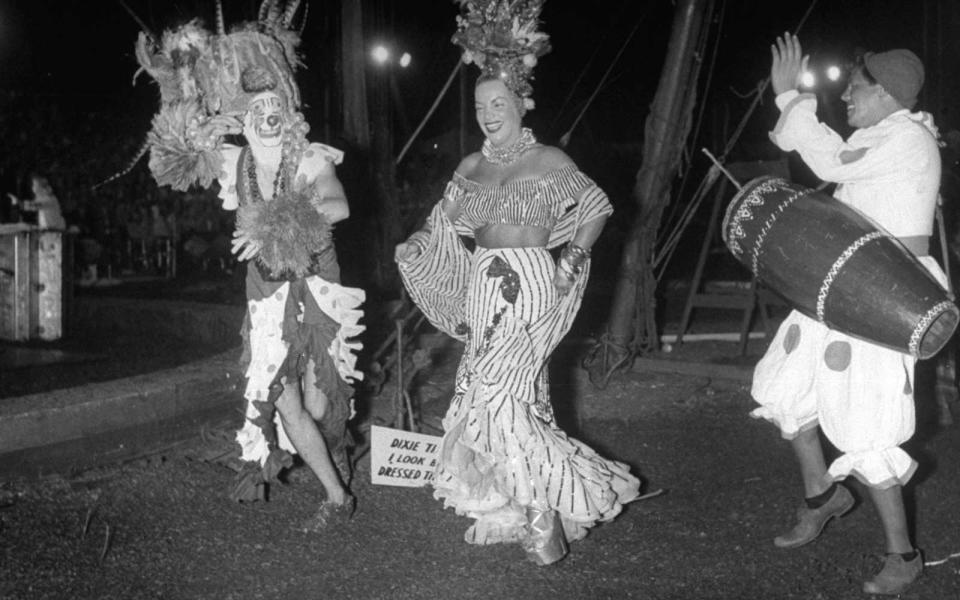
column 893, row 516
column 331, row 424
column 813, row 468
column 823, row 501
column 302, row 430
column 902, row 564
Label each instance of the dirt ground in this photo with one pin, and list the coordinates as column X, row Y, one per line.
column 162, row 525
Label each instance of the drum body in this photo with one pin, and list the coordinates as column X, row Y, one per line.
column 835, row 265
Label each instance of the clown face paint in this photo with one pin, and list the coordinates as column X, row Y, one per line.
column 264, row 120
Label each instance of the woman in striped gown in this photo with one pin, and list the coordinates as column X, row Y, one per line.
column 504, row 462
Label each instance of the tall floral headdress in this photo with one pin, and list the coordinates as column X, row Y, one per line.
column 204, row 73
column 501, row 38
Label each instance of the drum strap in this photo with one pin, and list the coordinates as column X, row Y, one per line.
column 944, row 245
column 919, row 245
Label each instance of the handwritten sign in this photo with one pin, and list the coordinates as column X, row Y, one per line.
column 402, row 458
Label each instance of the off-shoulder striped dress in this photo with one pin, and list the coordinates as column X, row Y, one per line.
column 502, row 450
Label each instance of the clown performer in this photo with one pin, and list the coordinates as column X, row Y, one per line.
column 813, row 378
column 299, row 359
column 504, row 461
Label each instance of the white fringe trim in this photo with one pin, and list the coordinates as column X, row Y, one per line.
column 268, row 350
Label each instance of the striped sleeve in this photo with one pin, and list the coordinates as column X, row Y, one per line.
column 438, row 278
column 454, row 194
column 592, row 204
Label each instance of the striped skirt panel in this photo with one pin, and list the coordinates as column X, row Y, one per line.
column 502, row 450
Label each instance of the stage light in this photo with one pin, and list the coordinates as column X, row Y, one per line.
column 380, row 54
column 405, row 59
column 833, row 73
column 808, row 80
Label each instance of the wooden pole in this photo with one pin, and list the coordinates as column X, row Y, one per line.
column 433, row 107
column 664, row 137
column 356, row 121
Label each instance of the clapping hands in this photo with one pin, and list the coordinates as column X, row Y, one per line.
column 788, row 65
column 405, row 251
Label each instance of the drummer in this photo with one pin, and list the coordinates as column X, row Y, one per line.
column 813, row 378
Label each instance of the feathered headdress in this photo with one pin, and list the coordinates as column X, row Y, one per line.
column 202, row 73
column 225, row 70
column 501, row 38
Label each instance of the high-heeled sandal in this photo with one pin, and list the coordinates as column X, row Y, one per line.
column 545, row 542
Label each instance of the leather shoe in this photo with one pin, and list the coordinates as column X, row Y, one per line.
column 331, row 514
column 896, row 576
column 811, row 521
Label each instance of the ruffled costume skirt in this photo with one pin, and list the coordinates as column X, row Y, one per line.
column 501, row 450
column 288, row 324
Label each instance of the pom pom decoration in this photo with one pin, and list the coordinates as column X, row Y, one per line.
column 289, row 231
column 501, row 38
column 179, row 156
column 203, row 73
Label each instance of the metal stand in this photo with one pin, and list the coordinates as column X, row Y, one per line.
column 404, row 364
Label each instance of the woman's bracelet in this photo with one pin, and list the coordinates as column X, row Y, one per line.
column 575, row 255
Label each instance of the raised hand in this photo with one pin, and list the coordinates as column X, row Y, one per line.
column 405, row 251
column 788, row 63
column 220, row 125
column 562, row 282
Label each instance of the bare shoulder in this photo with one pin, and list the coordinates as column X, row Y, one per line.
column 551, row 158
column 469, row 164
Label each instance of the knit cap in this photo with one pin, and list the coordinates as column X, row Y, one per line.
column 899, row 71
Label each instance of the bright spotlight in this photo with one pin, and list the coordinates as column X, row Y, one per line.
column 405, row 59
column 807, row 79
column 833, row 72
column 380, row 54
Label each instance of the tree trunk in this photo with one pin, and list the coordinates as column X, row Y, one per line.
column 631, row 327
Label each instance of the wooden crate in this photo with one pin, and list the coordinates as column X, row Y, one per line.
column 15, row 279
column 31, row 283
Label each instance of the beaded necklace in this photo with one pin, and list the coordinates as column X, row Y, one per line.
column 507, row 155
column 253, row 186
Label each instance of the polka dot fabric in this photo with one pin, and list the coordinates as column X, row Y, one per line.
column 859, row 393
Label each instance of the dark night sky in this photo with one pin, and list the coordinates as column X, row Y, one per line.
column 84, row 47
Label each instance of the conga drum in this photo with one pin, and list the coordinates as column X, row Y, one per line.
column 835, row 265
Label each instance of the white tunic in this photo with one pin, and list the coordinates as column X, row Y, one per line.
column 895, row 181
